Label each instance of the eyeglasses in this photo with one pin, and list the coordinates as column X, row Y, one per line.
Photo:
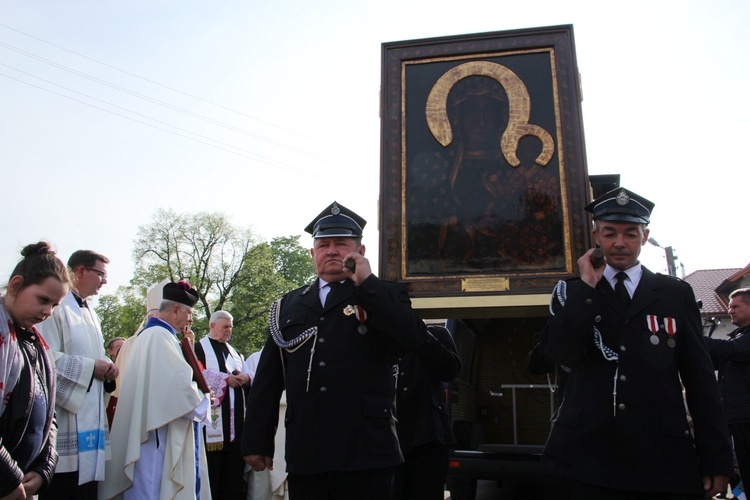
column 99, row 273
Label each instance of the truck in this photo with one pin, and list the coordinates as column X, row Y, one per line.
column 483, row 188
column 500, row 409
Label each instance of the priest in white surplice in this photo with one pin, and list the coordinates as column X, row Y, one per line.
column 74, row 336
column 157, row 450
column 226, row 374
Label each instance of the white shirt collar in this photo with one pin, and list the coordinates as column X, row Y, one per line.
column 634, row 274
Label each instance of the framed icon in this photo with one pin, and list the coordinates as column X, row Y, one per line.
column 483, row 168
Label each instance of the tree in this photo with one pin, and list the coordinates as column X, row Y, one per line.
column 292, row 261
column 229, row 268
column 249, row 305
column 272, row 270
column 122, row 312
column 204, row 248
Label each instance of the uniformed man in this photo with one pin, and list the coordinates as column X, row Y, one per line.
column 333, row 345
column 424, row 425
column 632, row 340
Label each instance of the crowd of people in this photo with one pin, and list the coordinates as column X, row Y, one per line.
column 160, row 415
column 345, row 399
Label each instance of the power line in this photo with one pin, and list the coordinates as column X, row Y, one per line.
column 161, row 103
column 243, row 152
column 170, row 88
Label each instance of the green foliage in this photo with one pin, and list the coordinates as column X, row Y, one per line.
column 231, row 270
column 204, row 248
column 292, row 261
column 122, row 312
column 272, row 270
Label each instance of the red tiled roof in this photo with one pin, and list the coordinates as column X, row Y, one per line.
column 705, row 283
column 740, row 274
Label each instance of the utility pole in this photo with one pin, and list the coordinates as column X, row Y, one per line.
column 671, row 268
column 669, row 252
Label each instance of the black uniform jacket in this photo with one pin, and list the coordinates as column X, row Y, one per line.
column 640, row 439
column 421, row 401
column 346, row 419
column 732, row 359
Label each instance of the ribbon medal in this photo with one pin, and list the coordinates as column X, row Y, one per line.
column 652, row 322
column 670, row 325
column 361, row 316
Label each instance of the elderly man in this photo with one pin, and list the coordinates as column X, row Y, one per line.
column 153, row 300
column 633, row 341
column 74, row 336
column 332, row 346
column 157, row 448
column 223, row 430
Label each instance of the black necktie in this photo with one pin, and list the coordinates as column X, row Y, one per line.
column 620, row 290
column 333, row 286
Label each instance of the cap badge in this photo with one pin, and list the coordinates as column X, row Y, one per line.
column 623, row 198
column 335, row 210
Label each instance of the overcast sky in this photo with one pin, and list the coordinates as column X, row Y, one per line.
column 265, row 110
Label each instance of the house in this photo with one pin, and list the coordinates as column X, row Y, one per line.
column 712, row 288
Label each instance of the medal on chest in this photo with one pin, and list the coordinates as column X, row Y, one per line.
column 361, row 316
column 652, row 322
column 670, row 328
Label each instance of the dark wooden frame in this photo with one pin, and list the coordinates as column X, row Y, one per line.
column 543, row 59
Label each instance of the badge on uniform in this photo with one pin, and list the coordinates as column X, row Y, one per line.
column 652, row 322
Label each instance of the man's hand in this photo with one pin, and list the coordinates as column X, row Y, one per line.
column 238, row 380
column 362, row 269
column 713, row 485
column 259, row 462
column 18, row 494
column 105, row 370
column 590, row 274
column 189, row 334
column 32, row 481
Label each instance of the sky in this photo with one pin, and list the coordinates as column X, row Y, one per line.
column 267, row 111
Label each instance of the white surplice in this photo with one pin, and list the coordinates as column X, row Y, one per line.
column 74, row 336
column 154, row 433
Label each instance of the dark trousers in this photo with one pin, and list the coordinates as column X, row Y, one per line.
column 225, row 473
column 371, row 484
column 741, row 439
column 422, row 475
column 64, row 486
